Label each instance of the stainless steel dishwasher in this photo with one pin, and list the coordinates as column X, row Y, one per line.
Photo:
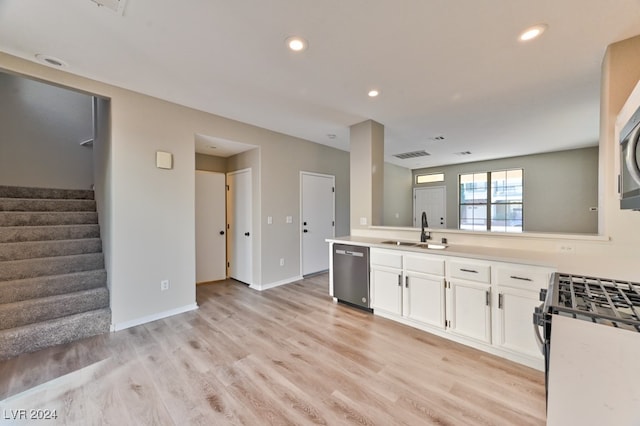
column 351, row 275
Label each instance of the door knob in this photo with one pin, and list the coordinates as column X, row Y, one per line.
column 304, row 230
column 221, row 232
column 246, row 234
column 305, row 223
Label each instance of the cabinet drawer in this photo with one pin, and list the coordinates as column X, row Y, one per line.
column 530, row 278
column 471, row 271
column 385, row 258
column 424, row 264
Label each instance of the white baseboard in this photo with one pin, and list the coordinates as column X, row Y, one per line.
column 275, row 284
column 154, row 317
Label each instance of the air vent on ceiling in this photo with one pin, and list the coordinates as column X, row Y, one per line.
column 463, row 153
column 414, row 154
column 115, row 5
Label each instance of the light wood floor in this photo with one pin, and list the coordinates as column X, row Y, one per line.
column 288, row 355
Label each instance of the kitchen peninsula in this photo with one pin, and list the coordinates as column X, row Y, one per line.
column 483, row 297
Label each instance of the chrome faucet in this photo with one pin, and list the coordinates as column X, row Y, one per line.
column 424, row 236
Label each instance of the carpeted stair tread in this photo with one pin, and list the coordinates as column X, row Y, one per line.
column 52, row 193
column 32, row 288
column 53, row 283
column 46, row 205
column 31, row 311
column 16, row 234
column 37, row 249
column 30, row 268
column 47, row 218
column 33, row 337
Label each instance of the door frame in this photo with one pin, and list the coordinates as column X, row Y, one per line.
column 333, row 209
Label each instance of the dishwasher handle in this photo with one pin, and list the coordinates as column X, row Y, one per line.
column 349, row 253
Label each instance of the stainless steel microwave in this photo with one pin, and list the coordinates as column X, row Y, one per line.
column 629, row 179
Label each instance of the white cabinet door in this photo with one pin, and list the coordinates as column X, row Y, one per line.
column 469, row 310
column 424, row 299
column 386, row 290
column 513, row 316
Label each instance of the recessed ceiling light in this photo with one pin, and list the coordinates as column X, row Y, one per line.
column 297, row 44
column 373, row 93
column 532, row 32
column 50, row 60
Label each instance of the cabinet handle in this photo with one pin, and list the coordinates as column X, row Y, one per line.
column 515, row 277
column 469, row 270
column 400, row 280
column 499, row 300
column 488, row 298
column 406, row 282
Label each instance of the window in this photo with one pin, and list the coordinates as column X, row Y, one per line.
column 430, row 178
column 492, row 201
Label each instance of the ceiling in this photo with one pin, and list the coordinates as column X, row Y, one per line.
column 451, row 68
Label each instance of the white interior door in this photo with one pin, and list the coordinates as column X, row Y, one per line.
column 317, row 220
column 432, row 200
column 211, row 245
column 240, row 235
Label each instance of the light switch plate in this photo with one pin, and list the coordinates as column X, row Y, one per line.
column 289, row 219
column 164, row 160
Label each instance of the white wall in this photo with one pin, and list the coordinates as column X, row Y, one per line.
column 42, row 127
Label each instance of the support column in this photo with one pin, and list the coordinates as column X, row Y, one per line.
column 367, row 174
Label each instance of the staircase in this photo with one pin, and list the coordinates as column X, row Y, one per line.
column 52, row 279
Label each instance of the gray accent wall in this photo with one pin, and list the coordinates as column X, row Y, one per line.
column 398, row 189
column 559, row 189
column 42, row 127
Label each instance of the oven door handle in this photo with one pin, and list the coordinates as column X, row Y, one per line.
column 536, row 331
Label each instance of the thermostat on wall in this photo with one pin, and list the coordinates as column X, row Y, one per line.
column 164, row 160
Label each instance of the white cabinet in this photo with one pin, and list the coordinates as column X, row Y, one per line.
column 386, row 289
column 409, row 286
column 518, row 288
column 481, row 303
column 469, row 299
column 386, row 281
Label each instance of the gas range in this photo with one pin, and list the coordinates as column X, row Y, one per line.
column 599, row 300
column 588, row 330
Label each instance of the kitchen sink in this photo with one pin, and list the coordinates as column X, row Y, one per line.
column 431, row 246
column 399, row 243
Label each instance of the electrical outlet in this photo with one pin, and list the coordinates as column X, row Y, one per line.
column 289, row 219
column 363, row 221
column 282, row 261
column 566, row 248
column 269, row 220
column 164, row 285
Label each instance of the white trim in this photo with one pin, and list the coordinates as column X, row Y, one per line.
column 275, row 284
column 153, row 317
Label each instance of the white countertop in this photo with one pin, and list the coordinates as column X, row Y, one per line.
column 528, row 257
